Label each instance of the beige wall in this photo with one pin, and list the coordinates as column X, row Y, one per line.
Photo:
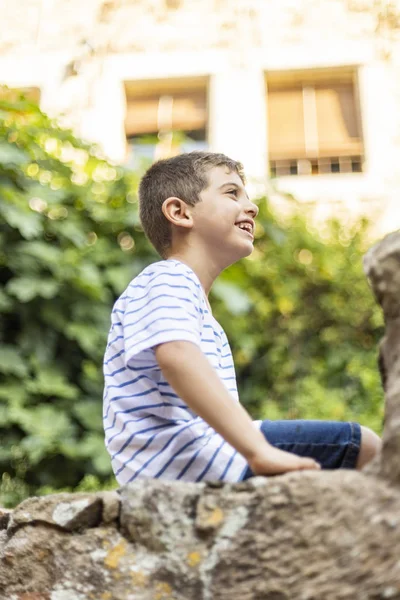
column 233, row 42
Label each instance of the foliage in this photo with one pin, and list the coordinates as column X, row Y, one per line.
column 299, row 314
column 69, row 233
column 305, row 325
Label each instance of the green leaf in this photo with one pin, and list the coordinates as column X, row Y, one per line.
column 27, row 288
column 119, row 277
column 6, row 303
column 29, row 224
column 86, row 335
column 93, row 447
column 235, row 299
column 11, row 155
column 45, row 253
column 89, row 414
column 12, row 393
column 45, row 422
column 11, row 362
column 51, row 383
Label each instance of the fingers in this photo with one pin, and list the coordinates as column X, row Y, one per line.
column 309, row 463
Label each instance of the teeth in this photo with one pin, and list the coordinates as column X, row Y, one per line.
column 246, row 227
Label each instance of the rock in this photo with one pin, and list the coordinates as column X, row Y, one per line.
column 301, row 535
column 331, row 535
column 5, row 515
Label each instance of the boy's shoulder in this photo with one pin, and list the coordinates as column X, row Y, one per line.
column 169, row 269
column 163, row 277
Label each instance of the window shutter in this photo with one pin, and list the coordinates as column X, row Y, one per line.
column 286, row 123
column 338, row 127
column 189, row 111
column 141, row 115
column 180, row 111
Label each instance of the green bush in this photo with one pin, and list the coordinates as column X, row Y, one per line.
column 302, row 322
column 306, row 326
column 70, row 241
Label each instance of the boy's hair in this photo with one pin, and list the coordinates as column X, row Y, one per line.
column 183, row 176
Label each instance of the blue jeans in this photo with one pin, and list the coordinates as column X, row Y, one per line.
column 335, row 445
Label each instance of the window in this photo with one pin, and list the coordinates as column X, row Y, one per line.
column 165, row 118
column 314, row 123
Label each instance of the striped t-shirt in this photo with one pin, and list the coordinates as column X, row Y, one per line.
column 149, row 430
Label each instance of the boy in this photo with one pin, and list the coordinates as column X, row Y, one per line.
column 171, row 406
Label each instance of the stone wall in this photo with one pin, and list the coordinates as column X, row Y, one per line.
column 300, row 536
column 304, row 536
column 149, row 25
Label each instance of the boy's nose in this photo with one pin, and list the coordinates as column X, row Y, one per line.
column 252, row 209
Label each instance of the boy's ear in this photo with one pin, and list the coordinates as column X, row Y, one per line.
column 177, row 212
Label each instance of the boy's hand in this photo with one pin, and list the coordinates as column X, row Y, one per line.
column 272, row 461
column 193, row 378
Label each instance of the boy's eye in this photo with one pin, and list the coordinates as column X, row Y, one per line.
column 232, row 192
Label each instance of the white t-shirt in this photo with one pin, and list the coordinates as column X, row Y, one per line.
column 149, row 430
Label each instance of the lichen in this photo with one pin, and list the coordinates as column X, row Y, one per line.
column 193, row 559
column 115, row 554
column 163, row 591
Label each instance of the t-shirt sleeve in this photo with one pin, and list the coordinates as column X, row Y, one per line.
column 162, row 307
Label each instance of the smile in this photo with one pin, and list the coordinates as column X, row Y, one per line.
column 247, row 231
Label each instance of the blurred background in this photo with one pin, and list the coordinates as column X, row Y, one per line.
column 304, row 92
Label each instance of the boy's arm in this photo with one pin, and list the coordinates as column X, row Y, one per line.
column 193, row 378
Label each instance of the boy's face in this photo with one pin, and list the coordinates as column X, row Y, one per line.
column 224, row 219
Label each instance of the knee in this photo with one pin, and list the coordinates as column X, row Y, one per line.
column 371, row 445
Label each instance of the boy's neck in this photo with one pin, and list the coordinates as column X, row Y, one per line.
column 207, row 272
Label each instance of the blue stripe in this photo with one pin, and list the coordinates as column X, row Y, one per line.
column 128, row 441
column 195, row 455
column 122, row 467
column 146, row 445
column 228, row 466
column 153, row 335
column 145, row 393
column 150, row 416
column 125, row 424
column 115, row 356
column 128, row 411
column 165, row 307
column 133, row 284
column 211, row 354
column 121, row 370
column 145, row 406
column 208, row 341
column 199, row 310
column 168, row 273
column 146, row 368
column 213, row 329
column 121, row 385
column 170, row 285
column 171, row 460
column 119, row 337
column 154, row 456
column 152, row 324
column 210, row 462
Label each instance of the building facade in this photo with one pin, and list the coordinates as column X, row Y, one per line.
column 306, row 93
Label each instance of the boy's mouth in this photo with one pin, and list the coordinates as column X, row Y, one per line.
column 247, row 226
